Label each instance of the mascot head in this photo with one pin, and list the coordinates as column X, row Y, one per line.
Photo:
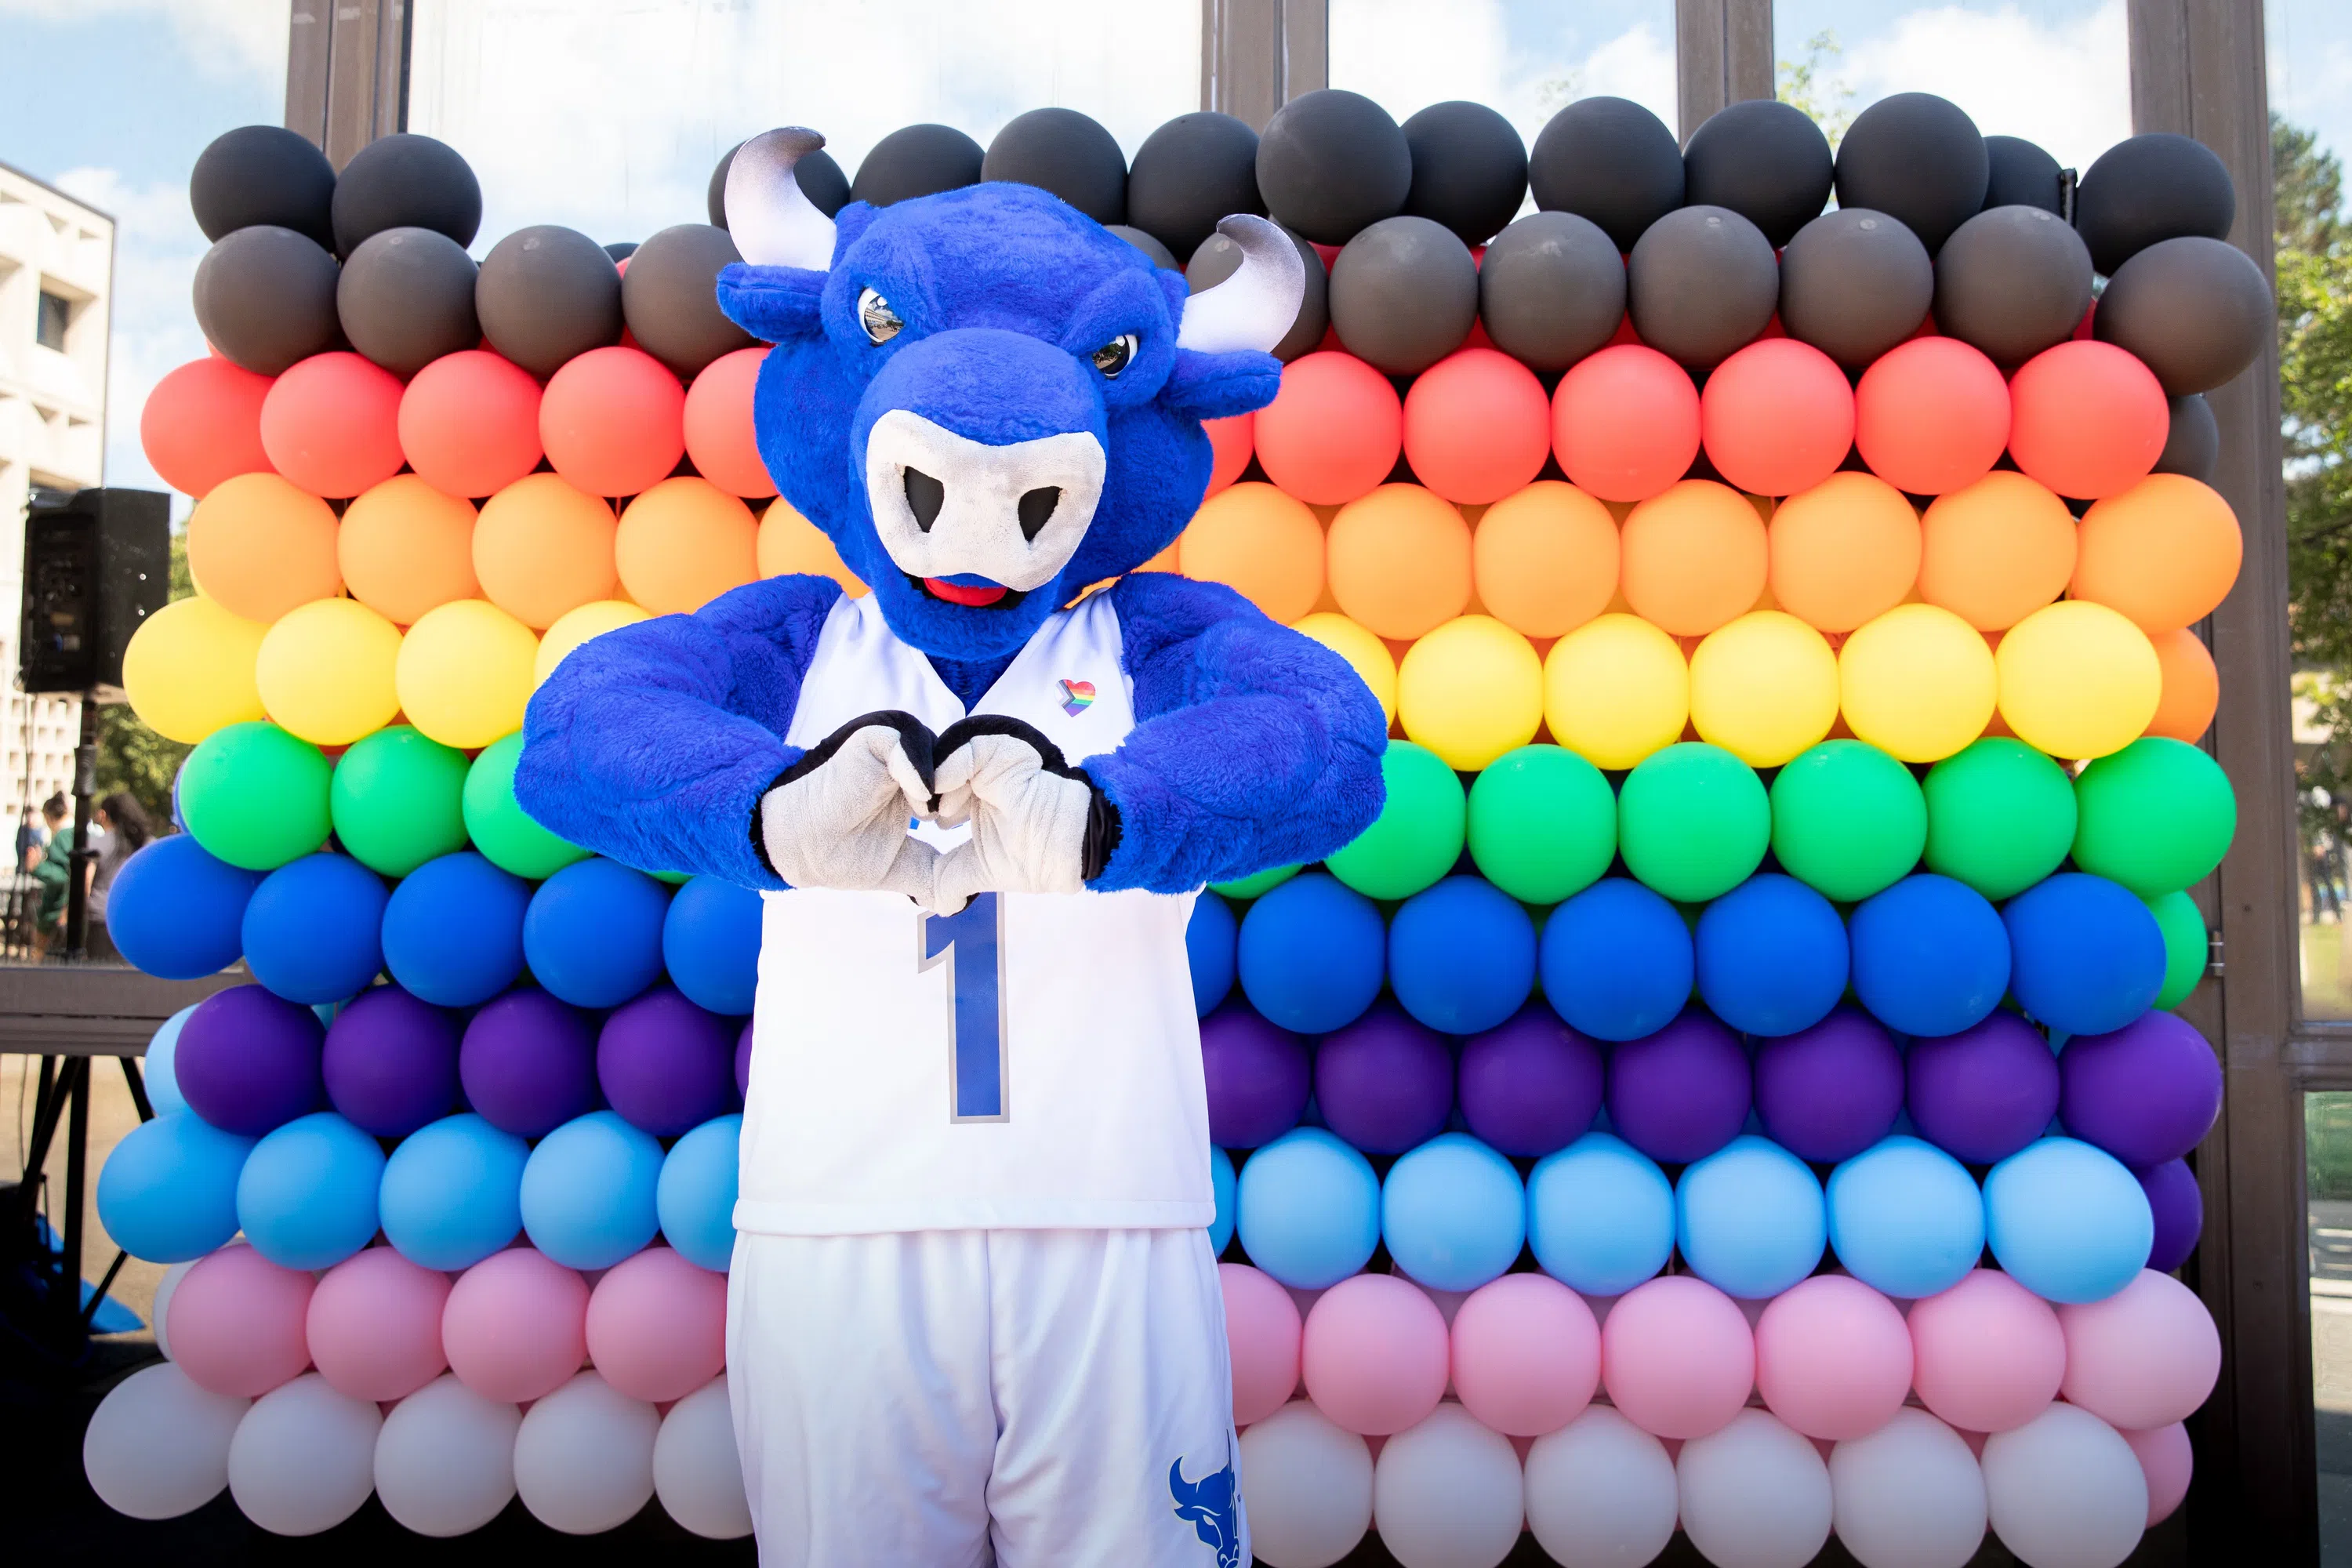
column 985, row 399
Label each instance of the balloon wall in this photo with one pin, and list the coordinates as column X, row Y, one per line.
column 1732, row 1087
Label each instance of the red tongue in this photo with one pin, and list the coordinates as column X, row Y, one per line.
column 957, row 593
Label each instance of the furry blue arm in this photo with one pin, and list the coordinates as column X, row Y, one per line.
column 1253, row 746
column 654, row 744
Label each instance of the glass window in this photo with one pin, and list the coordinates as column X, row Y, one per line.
column 2328, row 1175
column 49, row 326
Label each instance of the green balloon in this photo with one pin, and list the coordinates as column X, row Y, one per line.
column 2001, row 817
column 396, row 801
column 2187, row 946
column 1692, row 822
column 1417, row 837
column 1543, row 823
column 255, row 796
column 1847, row 820
column 505, row 834
column 2156, row 816
column 1250, row 887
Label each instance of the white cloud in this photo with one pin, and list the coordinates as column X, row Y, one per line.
column 224, row 36
column 2065, row 85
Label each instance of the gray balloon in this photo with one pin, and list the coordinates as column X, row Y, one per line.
column 1160, row 254
column 1404, row 293
column 1701, row 283
column 1331, row 164
column 546, row 295
column 2193, row 443
column 265, row 297
column 670, row 296
column 1854, row 283
column 1551, row 290
column 406, row 298
column 1219, row 259
column 2195, row 311
column 2012, row 281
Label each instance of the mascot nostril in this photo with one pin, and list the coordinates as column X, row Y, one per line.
column 1036, row 508
column 925, row 497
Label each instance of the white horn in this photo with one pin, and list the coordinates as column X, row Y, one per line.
column 773, row 224
column 1255, row 307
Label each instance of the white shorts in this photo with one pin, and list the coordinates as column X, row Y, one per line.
column 951, row 1399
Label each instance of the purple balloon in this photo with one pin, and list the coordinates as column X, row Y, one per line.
column 1827, row 1093
column 248, row 1061
column 2145, row 1093
column 1385, row 1083
column 1530, row 1085
column 1257, row 1076
column 1681, row 1093
column 743, row 1060
column 1986, row 1092
column 666, row 1065
column 529, row 1063
column 2180, row 1210
column 390, row 1062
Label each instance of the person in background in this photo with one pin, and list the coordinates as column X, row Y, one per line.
column 52, row 871
column 124, row 822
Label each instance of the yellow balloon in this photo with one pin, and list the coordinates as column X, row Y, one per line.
column 1367, row 653
column 189, row 669
column 1615, row 690
column 1471, row 691
column 1917, row 682
column 790, row 542
column 1764, row 687
column 464, row 673
column 575, row 626
column 326, row 671
column 2078, row 679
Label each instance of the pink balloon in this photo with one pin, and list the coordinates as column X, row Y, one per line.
column 2147, row 1356
column 1832, row 1357
column 236, row 1323
column 1987, row 1355
column 1373, row 1354
column 1677, row 1357
column 658, row 1326
column 1527, row 1355
column 516, row 1326
column 2167, row 1460
column 375, row 1325
column 1262, row 1331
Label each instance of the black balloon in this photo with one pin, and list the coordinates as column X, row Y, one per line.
column 1854, row 283
column 1765, row 161
column 263, row 175
column 2020, row 174
column 547, row 295
column 2193, row 443
column 1145, row 243
column 818, row 176
column 670, row 296
column 1404, row 294
column 2012, row 281
column 621, row 250
column 265, row 297
column 1700, row 284
column 1189, row 172
column 1551, row 290
column 2148, row 188
column 1219, row 259
column 1332, row 164
column 1917, row 158
column 1064, row 152
column 406, row 181
column 917, row 161
column 406, row 298
column 2195, row 311
column 1469, row 168
column 1611, row 160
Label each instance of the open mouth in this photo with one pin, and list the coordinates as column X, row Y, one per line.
column 972, row 595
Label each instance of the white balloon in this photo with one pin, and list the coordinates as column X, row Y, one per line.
column 1754, row 1494
column 698, row 1474
column 157, row 1446
column 1909, row 1495
column 162, row 1310
column 1308, row 1488
column 2065, row 1491
column 1447, row 1492
column 444, row 1462
column 304, row 1459
column 583, row 1460
column 1601, row 1492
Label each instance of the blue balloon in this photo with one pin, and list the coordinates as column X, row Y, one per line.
column 1905, row 1218
column 308, row 1195
column 1601, row 1215
column 453, row 930
column 1309, row 1208
column 1771, row 956
column 314, row 929
column 1454, row 1214
column 590, row 1192
column 594, row 934
column 1462, row 956
column 2090, row 956
column 1617, row 961
column 1311, row 954
column 452, row 1193
column 1222, row 1180
column 1930, row 956
column 1209, row 940
column 176, row 912
column 1751, row 1218
column 695, row 1196
column 168, row 1192
column 710, row 944
column 162, row 1078
column 2067, row 1221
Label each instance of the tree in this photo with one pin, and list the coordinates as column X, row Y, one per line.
column 131, row 757
column 1808, row 85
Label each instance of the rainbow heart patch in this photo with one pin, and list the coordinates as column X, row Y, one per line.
column 1077, row 696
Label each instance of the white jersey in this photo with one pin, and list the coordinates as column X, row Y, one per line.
column 1032, row 1061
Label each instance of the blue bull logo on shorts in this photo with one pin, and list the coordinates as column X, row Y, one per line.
column 1210, row 1507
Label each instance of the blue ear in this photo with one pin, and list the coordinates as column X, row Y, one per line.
column 774, row 304
column 1213, row 387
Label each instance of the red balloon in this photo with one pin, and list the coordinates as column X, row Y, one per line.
column 1625, row 423
column 1334, row 430
column 1231, row 442
column 469, row 423
column 203, row 424
column 331, row 424
column 2086, row 419
column 1777, row 417
column 719, row 425
column 1477, row 427
column 613, row 422
column 1931, row 415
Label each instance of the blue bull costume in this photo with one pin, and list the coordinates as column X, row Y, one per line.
column 973, row 1316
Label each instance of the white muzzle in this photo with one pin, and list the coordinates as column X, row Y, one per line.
column 946, row 505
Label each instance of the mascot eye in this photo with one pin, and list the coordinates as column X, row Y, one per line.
column 1114, row 355
column 874, row 315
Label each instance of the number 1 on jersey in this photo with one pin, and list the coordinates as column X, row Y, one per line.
column 970, row 944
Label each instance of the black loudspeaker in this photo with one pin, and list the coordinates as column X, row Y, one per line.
column 98, row 562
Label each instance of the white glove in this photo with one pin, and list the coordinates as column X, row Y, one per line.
column 837, row 817
column 1038, row 825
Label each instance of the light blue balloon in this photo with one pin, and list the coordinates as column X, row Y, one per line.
column 2068, row 1221
column 589, row 1190
column 163, row 1080
column 695, row 1196
column 1601, row 1215
column 1308, row 1209
column 306, row 1197
column 1751, row 1218
column 1905, row 1218
column 452, row 1193
column 168, row 1192
column 1221, row 1178
column 1453, row 1213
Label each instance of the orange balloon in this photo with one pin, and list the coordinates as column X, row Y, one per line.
column 1931, row 415
column 1398, row 561
column 1545, row 560
column 541, row 548
column 1844, row 551
column 1625, row 423
column 1996, row 552
column 203, row 424
column 2192, row 686
column 683, row 544
column 613, row 421
column 1477, row 427
column 2086, row 419
column 1332, row 432
column 719, row 425
column 1777, row 417
column 331, row 424
column 2164, row 552
column 791, row 543
column 258, row 546
column 469, row 423
column 1231, row 440
column 406, row 547
column 1261, row 542
column 1693, row 557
